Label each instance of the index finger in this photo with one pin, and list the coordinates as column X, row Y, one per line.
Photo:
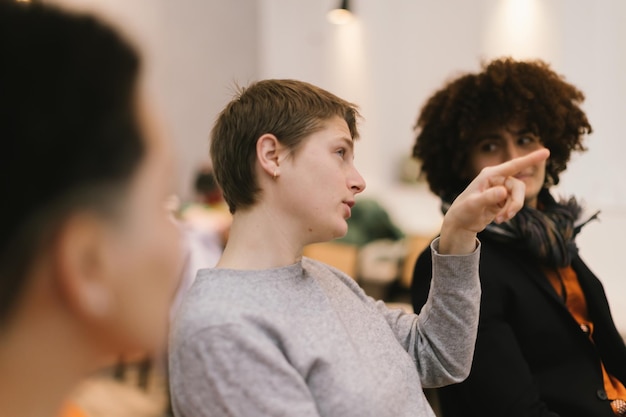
column 516, row 165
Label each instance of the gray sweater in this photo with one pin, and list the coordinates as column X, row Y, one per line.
column 305, row 340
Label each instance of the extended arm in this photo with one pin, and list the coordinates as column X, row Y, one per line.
column 442, row 337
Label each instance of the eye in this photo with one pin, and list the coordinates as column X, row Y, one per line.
column 527, row 140
column 341, row 152
column 487, row 147
column 524, row 140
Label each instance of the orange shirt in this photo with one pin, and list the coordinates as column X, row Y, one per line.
column 71, row 410
column 565, row 279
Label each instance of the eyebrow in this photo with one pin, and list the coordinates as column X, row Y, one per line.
column 497, row 136
column 521, row 131
column 350, row 142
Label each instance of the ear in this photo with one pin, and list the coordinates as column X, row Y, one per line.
column 268, row 150
column 81, row 261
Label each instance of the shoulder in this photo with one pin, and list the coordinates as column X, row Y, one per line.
column 320, row 270
column 224, row 297
column 332, row 280
column 588, row 279
column 321, row 267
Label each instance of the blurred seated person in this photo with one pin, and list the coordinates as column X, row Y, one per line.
column 208, row 211
column 88, row 262
column 204, row 223
column 547, row 345
column 207, row 190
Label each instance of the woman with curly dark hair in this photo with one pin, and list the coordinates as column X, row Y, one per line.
column 547, row 344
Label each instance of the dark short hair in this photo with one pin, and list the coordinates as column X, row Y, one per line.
column 290, row 110
column 69, row 136
column 504, row 91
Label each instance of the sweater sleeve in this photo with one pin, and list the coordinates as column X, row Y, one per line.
column 243, row 373
column 441, row 338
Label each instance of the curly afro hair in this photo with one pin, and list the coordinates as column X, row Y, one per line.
column 506, row 90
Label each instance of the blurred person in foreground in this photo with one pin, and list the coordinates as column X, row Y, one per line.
column 547, row 345
column 88, row 255
column 271, row 333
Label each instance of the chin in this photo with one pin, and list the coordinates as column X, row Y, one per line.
column 341, row 231
column 329, row 231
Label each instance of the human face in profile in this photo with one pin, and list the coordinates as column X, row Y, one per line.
column 497, row 144
column 319, row 182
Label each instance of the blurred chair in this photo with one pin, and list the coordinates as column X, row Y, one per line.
column 340, row 255
column 415, row 244
column 378, row 265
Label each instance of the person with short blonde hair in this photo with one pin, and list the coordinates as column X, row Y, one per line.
column 269, row 332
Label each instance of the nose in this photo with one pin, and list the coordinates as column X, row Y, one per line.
column 356, row 181
column 511, row 151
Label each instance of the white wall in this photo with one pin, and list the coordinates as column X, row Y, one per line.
column 194, row 51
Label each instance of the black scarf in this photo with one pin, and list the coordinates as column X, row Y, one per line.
column 548, row 233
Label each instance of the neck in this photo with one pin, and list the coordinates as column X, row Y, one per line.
column 259, row 238
column 531, row 202
column 41, row 360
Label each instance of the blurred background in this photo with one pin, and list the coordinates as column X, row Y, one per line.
column 388, row 59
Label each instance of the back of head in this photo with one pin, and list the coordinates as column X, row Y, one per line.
column 288, row 109
column 68, row 131
column 505, row 91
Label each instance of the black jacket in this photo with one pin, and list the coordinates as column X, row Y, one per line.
column 532, row 358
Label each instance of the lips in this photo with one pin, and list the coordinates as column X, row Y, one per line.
column 349, row 205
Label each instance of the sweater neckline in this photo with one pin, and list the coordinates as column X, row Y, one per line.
column 286, row 271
